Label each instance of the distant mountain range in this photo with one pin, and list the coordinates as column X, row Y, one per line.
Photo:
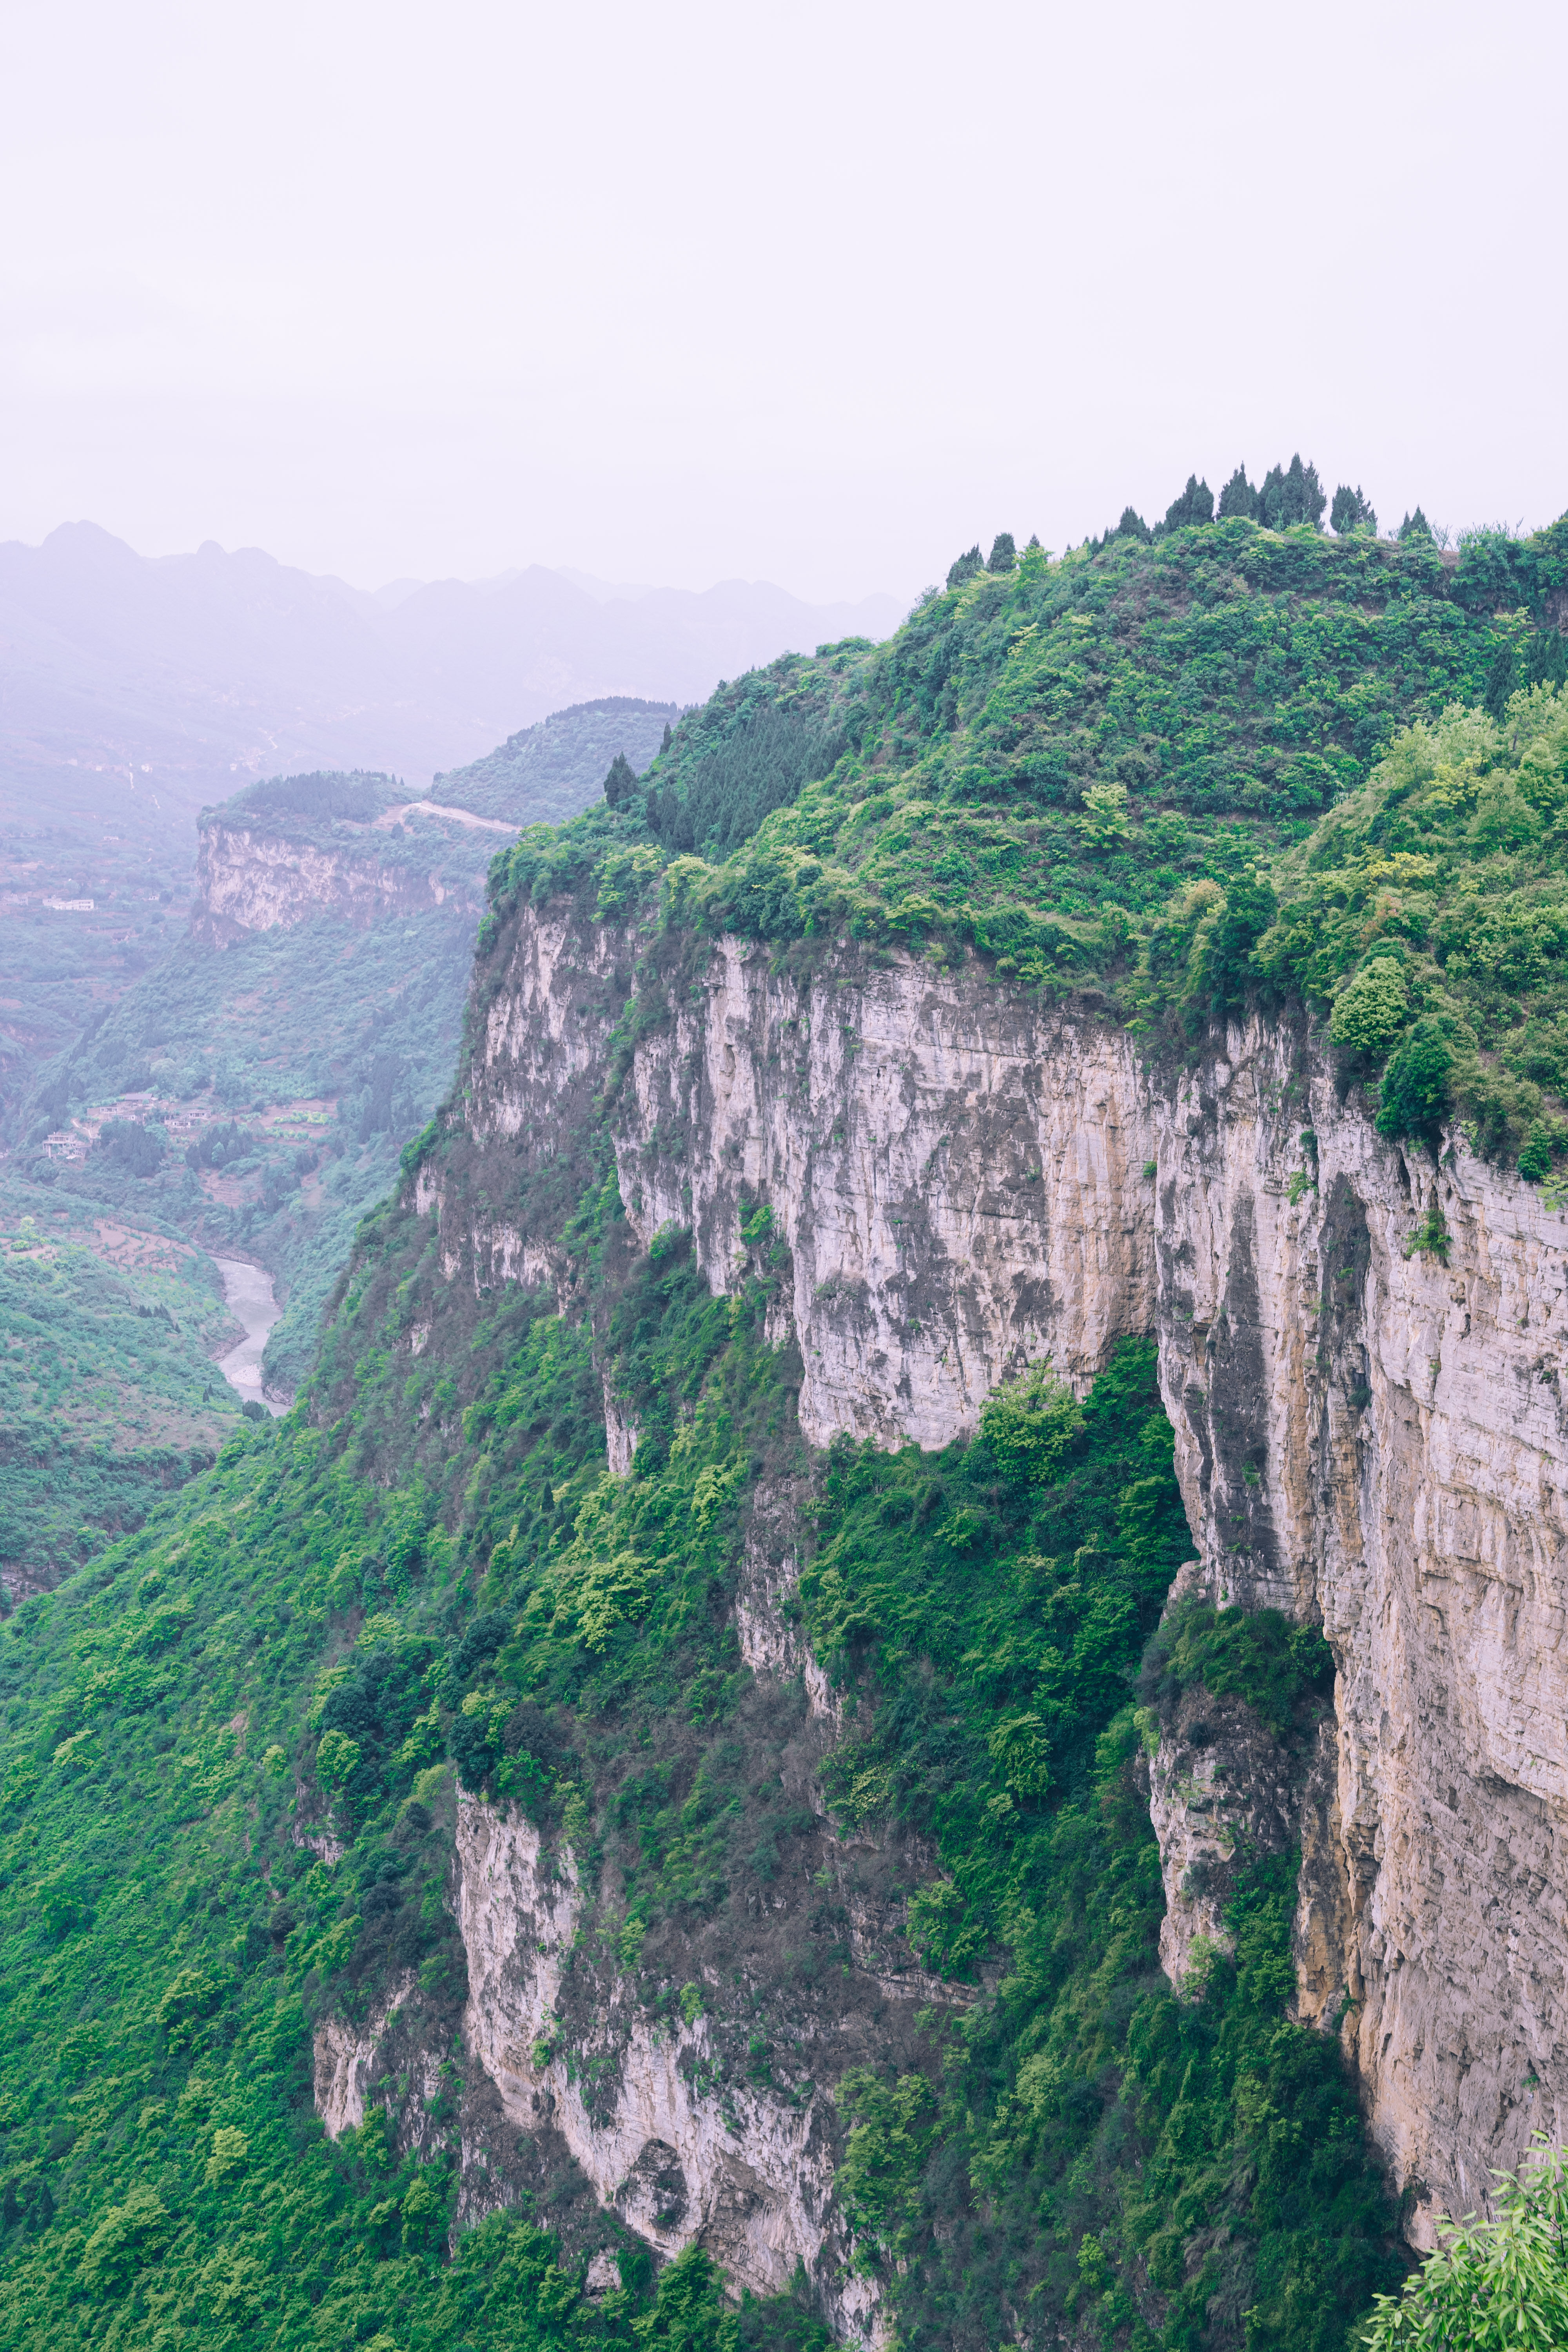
column 127, row 678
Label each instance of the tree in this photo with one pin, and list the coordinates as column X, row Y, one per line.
column 1131, row 526
column 689, row 2313
column 669, row 737
column 1003, row 553
column 1195, row 505
column 1351, row 510
column 621, row 782
column 964, row 567
column 1415, row 1084
column 1491, row 2284
column 1371, row 1011
column 1292, row 494
column 1104, row 819
column 1028, row 1423
column 1414, row 526
column 1240, row 496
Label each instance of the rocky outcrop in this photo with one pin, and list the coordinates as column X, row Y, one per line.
column 679, row 2154
column 1363, row 1353
column 348, row 2060
column 248, row 881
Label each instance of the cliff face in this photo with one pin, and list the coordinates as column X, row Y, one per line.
column 250, row 881
column 1368, row 1437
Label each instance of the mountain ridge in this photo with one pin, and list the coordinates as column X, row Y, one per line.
column 195, row 668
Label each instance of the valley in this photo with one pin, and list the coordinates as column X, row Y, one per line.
column 893, row 1676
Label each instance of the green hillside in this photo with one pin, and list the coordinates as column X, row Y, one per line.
column 552, row 771
column 109, row 1395
column 1176, row 775
column 279, row 1080
column 1084, row 771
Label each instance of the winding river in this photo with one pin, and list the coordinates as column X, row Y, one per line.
column 248, row 1291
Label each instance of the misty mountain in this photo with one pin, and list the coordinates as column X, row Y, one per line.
column 130, row 680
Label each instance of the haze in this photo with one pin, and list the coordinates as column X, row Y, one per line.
column 816, row 295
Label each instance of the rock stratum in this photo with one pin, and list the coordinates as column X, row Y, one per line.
column 1361, row 1350
column 258, row 881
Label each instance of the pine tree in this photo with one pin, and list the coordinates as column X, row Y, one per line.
column 1004, row 552
column 1131, row 526
column 669, row 737
column 621, row 782
column 1240, row 496
column 1195, row 505
column 1292, row 494
column 1414, row 526
column 964, row 567
column 1351, row 510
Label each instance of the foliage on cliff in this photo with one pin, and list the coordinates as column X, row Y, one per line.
column 1048, row 756
column 1491, row 2286
column 284, row 1656
column 1427, row 917
column 437, row 1580
column 1094, row 2148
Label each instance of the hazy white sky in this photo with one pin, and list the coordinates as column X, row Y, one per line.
column 818, row 294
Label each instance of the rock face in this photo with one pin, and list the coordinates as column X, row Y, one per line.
column 747, row 2174
column 1363, row 1353
column 250, row 881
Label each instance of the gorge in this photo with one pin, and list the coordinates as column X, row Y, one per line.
column 900, row 1679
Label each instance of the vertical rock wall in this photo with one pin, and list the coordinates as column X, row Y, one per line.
column 1368, row 1438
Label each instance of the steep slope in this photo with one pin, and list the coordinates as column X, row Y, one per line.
column 692, row 1735
column 109, row 1393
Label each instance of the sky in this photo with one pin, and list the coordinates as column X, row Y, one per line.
column 818, row 294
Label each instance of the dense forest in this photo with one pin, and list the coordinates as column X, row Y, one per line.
column 1166, row 777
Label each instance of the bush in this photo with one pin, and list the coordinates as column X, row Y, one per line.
column 1416, row 1084
column 1371, row 1011
column 1491, row 2287
column 1029, row 1424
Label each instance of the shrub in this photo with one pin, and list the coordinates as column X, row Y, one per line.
column 1493, row 2286
column 1030, row 1423
column 1371, row 1011
column 1417, row 1084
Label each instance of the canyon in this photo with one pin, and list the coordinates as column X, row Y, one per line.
column 1361, row 1350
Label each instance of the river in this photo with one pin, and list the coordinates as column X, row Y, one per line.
column 248, row 1291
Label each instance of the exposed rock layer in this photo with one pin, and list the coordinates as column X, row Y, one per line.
column 1368, row 1438
column 256, row 882
column 746, row 2173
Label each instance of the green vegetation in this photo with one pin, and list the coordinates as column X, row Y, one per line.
column 364, row 1021
column 59, row 968
column 1491, row 2286
column 1259, row 1656
column 551, row 771
column 1093, row 2145
column 1428, row 916
column 108, row 1394
column 440, row 1574
column 166, row 1940
column 326, row 807
column 357, row 1026
column 1158, row 773
column 1082, row 768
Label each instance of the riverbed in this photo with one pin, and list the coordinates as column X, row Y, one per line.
column 248, row 1292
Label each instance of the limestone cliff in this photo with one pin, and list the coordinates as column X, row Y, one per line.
column 1362, row 1352
column 254, row 880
